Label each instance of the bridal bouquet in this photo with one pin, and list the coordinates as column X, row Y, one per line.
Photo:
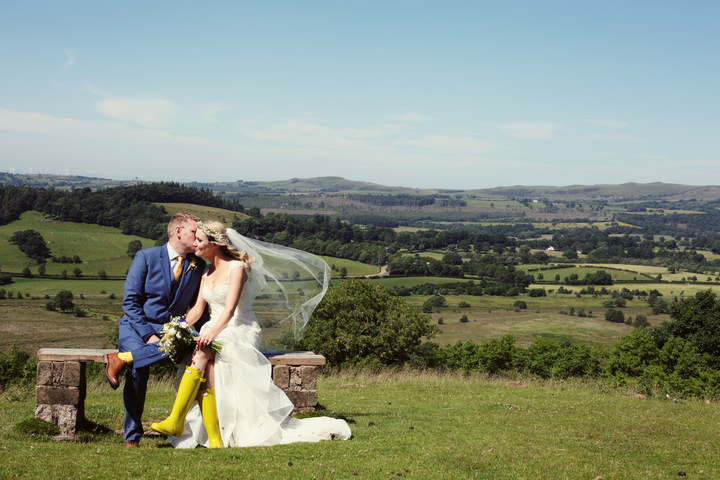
column 178, row 339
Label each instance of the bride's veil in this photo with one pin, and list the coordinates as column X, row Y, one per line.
column 285, row 287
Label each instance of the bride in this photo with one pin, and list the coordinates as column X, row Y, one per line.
column 238, row 405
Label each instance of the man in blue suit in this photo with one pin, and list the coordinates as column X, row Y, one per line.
column 162, row 282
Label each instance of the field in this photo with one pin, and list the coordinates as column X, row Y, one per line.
column 99, row 248
column 405, row 425
column 204, row 213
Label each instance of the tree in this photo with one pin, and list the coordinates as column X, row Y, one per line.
column 453, row 258
column 77, row 272
column 633, row 354
column 32, row 244
column 64, row 300
column 696, row 319
column 616, row 316
column 102, row 274
column 660, row 306
column 134, row 246
column 358, row 324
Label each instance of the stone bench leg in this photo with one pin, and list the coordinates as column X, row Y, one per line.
column 60, row 394
column 299, row 382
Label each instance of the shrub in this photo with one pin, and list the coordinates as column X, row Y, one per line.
column 16, row 366
column 520, row 304
column 464, row 304
column 633, row 354
column 357, row 323
column 537, row 292
column 549, row 359
column 464, row 319
column 616, row 316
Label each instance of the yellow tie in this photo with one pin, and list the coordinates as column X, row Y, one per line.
column 177, row 271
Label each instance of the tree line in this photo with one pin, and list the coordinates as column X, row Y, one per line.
column 128, row 208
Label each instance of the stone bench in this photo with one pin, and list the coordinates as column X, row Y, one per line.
column 62, row 384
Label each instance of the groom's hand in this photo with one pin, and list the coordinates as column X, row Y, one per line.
column 153, row 339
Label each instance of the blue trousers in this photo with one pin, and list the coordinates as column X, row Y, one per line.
column 136, row 378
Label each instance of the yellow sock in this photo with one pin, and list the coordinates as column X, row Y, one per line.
column 126, row 356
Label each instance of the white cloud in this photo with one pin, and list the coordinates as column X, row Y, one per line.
column 622, row 137
column 148, row 112
column 70, row 59
column 531, row 130
column 653, row 157
column 447, row 144
column 36, row 123
column 300, row 133
column 608, row 123
column 412, row 117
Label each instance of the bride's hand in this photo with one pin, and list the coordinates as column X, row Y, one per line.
column 205, row 340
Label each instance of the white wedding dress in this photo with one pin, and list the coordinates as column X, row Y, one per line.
column 252, row 410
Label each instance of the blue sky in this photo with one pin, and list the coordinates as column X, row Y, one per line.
column 422, row 94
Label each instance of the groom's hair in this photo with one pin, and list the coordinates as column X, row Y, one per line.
column 178, row 219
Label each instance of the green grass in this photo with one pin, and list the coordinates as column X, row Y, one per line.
column 354, row 269
column 99, row 248
column 619, row 273
column 27, row 324
column 203, row 212
column 405, row 425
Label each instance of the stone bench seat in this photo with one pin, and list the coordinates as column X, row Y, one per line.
column 62, row 384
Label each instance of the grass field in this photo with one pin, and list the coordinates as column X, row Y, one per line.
column 204, row 213
column 354, row 269
column 405, row 425
column 619, row 273
column 99, row 248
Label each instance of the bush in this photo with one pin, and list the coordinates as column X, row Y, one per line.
column 549, row 359
column 464, row 319
column 16, row 366
column 633, row 354
column 358, row 324
column 616, row 316
column 464, row 304
column 520, row 304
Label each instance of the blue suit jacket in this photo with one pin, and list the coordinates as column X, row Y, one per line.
column 150, row 296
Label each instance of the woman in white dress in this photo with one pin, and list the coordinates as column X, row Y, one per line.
column 238, row 404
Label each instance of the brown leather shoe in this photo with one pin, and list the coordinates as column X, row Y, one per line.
column 114, row 365
column 132, row 443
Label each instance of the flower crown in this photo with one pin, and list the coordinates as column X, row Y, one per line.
column 217, row 236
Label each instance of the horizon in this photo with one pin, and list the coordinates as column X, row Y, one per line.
column 454, row 96
column 363, row 181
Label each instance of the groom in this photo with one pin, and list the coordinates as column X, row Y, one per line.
column 162, row 282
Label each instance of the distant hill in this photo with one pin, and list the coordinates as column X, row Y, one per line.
column 627, row 191
column 337, row 185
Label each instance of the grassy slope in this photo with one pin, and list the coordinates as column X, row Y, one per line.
column 100, row 248
column 407, row 425
column 204, row 213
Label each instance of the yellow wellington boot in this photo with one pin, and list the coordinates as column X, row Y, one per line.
column 187, row 391
column 208, row 407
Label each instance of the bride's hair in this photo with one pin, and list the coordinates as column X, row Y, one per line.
column 217, row 234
